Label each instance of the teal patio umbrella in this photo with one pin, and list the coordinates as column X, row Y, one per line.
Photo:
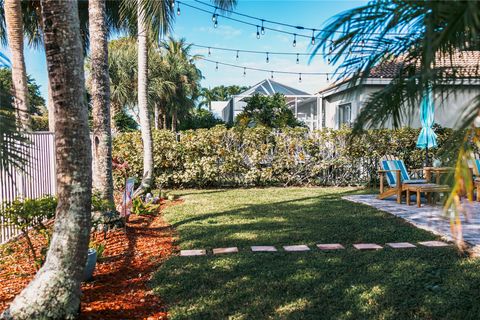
column 427, row 138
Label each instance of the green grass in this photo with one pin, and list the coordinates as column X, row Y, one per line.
column 421, row 283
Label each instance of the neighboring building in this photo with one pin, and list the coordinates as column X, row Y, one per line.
column 217, row 108
column 341, row 102
column 305, row 106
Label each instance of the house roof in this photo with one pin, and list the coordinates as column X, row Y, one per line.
column 269, row 87
column 463, row 64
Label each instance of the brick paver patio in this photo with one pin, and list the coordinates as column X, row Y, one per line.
column 428, row 217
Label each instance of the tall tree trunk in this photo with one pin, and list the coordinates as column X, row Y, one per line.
column 55, row 293
column 51, row 110
column 100, row 90
column 164, row 119
column 156, row 115
column 144, row 115
column 13, row 20
column 174, row 120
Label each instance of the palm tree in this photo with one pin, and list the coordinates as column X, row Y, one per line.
column 100, row 94
column 419, row 34
column 13, row 19
column 55, row 293
column 208, row 96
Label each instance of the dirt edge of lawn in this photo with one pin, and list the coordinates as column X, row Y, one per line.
column 120, row 288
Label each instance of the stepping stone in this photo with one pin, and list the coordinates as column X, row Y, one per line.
column 434, row 244
column 367, row 246
column 190, row 253
column 263, row 249
column 330, row 246
column 300, row 247
column 401, row 245
column 225, row 250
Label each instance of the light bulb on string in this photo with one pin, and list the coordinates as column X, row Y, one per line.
column 178, row 10
column 327, row 77
column 216, row 66
column 267, row 60
column 294, row 40
column 173, row 4
column 299, row 77
column 258, row 33
column 244, row 71
column 329, row 60
column 263, row 29
column 214, row 17
column 209, row 52
column 237, row 55
column 215, row 24
column 298, row 58
column 313, row 37
column 271, row 74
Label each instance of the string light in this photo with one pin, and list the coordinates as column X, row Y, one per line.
column 299, row 77
column 258, row 33
column 244, row 71
column 263, row 70
column 215, row 24
column 263, row 29
column 329, row 60
column 313, row 37
column 214, row 17
column 216, row 66
column 327, row 77
column 272, row 75
column 298, row 59
column 237, row 55
column 173, row 4
column 267, row 59
column 294, row 40
column 209, row 52
column 178, row 9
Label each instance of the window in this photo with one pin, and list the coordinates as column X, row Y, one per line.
column 344, row 114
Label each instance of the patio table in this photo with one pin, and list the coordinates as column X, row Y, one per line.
column 438, row 171
column 427, row 188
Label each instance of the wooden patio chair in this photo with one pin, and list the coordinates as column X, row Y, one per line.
column 394, row 170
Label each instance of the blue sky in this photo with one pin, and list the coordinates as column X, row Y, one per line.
column 197, row 27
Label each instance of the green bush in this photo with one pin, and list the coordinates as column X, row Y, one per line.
column 29, row 214
column 221, row 157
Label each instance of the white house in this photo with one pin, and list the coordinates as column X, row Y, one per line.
column 341, row 102
column 304, row 105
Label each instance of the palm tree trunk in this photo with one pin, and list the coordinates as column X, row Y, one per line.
column 55, row 293
column 164, row 119
column 145, row 126
column 156, row 115
column 50, row 109
column 13, row 19
column 174, row 120
column 100, row 90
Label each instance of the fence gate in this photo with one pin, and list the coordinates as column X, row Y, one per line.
column 35, row 180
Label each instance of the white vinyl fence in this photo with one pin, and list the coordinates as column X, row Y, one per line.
column 35, row 180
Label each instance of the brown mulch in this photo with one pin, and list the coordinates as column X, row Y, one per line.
column 120, row 287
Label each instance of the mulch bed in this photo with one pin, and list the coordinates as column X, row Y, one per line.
column 120, row 287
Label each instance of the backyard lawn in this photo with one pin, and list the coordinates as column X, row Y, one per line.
column 419, row 283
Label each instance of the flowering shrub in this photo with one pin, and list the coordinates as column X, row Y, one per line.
column 221, row 157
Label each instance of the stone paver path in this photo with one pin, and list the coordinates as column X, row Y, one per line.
column 367, row 246
column 433, row 244
column 428, row 217
column 225, row 250
column 295, row 248
column 330, row 246
column 320, row 246
column 401, row 245
column 263, row 249
column 189, row 253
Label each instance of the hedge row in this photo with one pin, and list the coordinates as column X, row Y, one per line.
column 221, row 157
